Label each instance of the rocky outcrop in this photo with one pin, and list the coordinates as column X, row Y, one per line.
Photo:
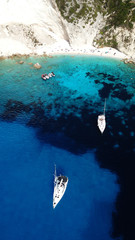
column 37, row 65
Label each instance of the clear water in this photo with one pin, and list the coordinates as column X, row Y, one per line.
column 55, row 122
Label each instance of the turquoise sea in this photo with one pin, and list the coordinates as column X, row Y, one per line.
column 43, row 123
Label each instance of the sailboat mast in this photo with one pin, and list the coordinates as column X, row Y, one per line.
column 55, row 171
column 104, row 107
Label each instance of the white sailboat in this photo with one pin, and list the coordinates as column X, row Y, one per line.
column 60, row 185
column 101, row 120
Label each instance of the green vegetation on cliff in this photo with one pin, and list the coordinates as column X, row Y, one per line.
column 121, row 13
column 73, row 10
column 118, row 13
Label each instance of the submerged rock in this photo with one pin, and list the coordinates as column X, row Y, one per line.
column 131, row 61
column 37, row 65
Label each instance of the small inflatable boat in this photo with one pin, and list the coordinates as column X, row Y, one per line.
column 47, row 76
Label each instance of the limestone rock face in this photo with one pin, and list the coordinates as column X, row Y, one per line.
column 33, row 27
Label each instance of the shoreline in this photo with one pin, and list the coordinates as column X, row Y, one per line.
column 92, row 51
column 103, row 52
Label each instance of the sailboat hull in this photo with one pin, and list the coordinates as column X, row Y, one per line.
column 101, row 123
column 60, row 185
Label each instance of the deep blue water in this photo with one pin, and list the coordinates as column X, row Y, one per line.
column 43, row 123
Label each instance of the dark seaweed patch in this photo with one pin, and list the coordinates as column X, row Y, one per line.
column 118, row 86
column 122, row 94
column 50, row 94
column 110, row 77
column 97, row 81
column 106, row 90
column 79, row 98
column 88, row 74
column 104, row 75
column 13, row 108
column 49, row 106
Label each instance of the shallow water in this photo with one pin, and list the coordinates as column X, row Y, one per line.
column 55, row 122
